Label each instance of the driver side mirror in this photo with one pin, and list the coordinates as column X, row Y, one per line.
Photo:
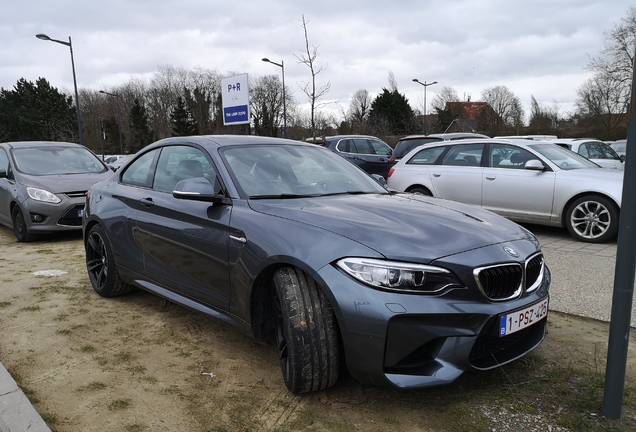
column 200, row 189
column 534, row 165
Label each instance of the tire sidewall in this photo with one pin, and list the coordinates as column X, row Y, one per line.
column 611, row 232
column 18, row 219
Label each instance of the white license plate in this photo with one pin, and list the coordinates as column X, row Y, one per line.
column 80, row 213
column 518, row 320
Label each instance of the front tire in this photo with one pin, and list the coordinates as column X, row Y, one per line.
column 306, row 333
column 20, row 228
column 100, row 265
column 592, row 219
column 421, row 191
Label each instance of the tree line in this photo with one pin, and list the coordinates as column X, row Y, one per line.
column 179, row 102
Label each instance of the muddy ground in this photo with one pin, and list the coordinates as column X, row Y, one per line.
column 139, row 363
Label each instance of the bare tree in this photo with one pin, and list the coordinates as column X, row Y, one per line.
column 447, row 94
column 308, row 58
column 393, row 87
column 604, row 100
column 506, row 106
column 617, row 57
column 359, row 109
column 266, row 105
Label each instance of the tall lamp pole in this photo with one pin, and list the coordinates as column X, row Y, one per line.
column 121, row 142
column 425, row 84
column 282, row 66
column 77, row 107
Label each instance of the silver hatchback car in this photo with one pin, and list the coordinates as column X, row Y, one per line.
column 43, row 186
column 524, row 180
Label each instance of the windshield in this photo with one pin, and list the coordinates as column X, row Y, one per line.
column 563, row 158
column 291, row 171
column 56, row 160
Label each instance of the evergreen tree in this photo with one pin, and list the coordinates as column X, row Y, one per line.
column 391, row 114
column 36, row 112
column 141, row 133
column 182, row 122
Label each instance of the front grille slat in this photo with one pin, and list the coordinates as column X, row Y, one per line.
column 507, row 281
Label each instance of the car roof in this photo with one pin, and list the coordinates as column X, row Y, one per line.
column 451, row 136
column 573, row 140
column 27, row 144
column 229, row 140
column 351, row 136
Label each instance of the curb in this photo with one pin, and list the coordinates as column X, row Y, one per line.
column 16, row 412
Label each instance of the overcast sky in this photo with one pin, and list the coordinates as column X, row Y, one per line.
column 535, row 48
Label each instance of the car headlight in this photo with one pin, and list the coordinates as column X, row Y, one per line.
column 43, row 195
column 399, row 276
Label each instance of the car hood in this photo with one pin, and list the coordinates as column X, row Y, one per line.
column 593, row 175
column 64, row 183
column 400, row 226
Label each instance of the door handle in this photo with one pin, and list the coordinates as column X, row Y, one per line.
column 146, row 202
column 437, row 175
column 490, row 177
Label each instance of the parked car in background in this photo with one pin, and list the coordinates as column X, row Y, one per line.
column 619, row 146
column 371, row 154
column 289, row 241
column 43, row 186
column 115, row 165
column 109, row 159
column 593, row 149
column 524, row 180
column 408, row 143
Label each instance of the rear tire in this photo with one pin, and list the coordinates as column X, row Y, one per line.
column 306, row 334
column 592, row 219
column 20, row 228
column 100, row 265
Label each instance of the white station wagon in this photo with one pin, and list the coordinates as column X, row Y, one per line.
column 524, row 180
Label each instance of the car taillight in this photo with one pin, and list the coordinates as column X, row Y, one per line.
column 391, row 172
column 88, row 195
column 391, row 159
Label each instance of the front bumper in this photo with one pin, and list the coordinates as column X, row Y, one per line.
column 410, row 341
column 44, row 217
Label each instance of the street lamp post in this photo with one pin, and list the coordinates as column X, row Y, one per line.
column 425, row 84
column 77, row 107
column 121, row 142
column 282, row 66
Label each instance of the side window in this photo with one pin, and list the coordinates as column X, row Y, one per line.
column 138, row 172
column 344, row 146
column 4, row 161
column 511, row 157
column 464, row 155
column 608, row 152
column 361, row 146
column 380, row 148
column 178, row 163
column 583, row 150
column 427, row 156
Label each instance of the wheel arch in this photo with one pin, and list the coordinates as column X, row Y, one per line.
column 261, row 310
column 418, row 186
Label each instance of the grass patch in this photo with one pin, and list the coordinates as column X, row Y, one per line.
column 88, row 349
column 136, row 427
column 92, row 386
column 119, row 404
column 33, row 308
column 5, row 304
column 45, row 251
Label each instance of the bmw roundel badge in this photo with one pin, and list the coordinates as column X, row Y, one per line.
column 510, row 251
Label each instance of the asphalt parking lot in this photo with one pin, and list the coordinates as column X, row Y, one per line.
column 582, row 284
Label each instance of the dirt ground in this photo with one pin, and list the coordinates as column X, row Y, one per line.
column 139, row 363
